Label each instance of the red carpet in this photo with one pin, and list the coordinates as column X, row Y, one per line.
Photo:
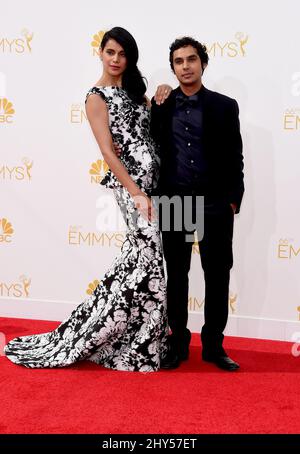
column 263, row 397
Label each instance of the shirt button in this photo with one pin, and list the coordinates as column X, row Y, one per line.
column 187, row 111
column 192, row 162
column 189, row 144
column 186, row 128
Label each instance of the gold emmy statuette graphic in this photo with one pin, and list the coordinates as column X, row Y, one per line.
column 92, row 287
column 232, row 301
column 98, row 170
column 243, row 40
column 195, row 246
column 298, row 310
column 97, row 38
column 28, row 38
column 28, row 165
column 26, row 283
column 6, row 110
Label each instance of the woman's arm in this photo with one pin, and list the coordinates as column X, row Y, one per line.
column 97, row 115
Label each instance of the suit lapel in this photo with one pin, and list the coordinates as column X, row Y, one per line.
column 207, row 120
column 167, row 116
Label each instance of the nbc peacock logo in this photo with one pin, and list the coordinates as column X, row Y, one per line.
column 97, row 38
column 6, row 111
column 6, row 231
column 98, row 171
column 92, row 287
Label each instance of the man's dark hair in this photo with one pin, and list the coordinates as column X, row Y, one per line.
column 188, row 41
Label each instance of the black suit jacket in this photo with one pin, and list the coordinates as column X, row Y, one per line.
column 222, row 143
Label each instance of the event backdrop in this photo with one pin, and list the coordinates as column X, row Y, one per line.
column 52, row 248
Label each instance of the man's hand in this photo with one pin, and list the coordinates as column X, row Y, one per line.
column 118, row 149
column 233, row 206
column 162, row 93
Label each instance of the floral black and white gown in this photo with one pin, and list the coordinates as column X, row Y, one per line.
column 123, row 324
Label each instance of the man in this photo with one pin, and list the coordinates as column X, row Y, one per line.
column 201, row 154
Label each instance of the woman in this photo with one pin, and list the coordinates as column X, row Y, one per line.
column 123, row 324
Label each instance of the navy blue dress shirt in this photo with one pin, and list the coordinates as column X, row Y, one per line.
column 188, row 169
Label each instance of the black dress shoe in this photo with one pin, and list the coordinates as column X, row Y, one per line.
column 180, row 344
column 184, row 354
column 171, row 361
column 222, row 361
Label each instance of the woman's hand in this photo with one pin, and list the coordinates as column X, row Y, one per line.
column 162, row 93
column 144, row 205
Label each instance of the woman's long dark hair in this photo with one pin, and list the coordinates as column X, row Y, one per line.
column 133, row 81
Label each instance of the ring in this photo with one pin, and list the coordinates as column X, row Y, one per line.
column 166, row 91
